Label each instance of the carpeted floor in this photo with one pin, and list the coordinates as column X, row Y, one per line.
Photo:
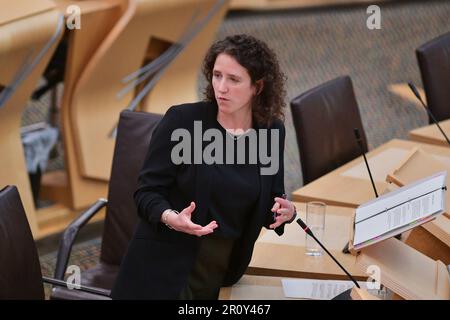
column 317, row 45
column 85, row 253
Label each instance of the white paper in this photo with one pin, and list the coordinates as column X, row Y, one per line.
column 316, row 289
column 410, row 204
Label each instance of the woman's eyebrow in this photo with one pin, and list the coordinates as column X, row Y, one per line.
column 227, row 74
column 235, row 76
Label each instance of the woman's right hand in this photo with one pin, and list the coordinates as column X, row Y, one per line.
column 182, row 222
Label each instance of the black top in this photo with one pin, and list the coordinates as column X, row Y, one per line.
column 236, row 189
column 159, row 260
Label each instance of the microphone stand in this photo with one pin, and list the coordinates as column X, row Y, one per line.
column 310, row 233
column 346, row 295
column 359, row 141
column 416, row 93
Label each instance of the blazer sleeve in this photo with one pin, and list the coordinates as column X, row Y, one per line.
column 158, row 173
column 278, row 181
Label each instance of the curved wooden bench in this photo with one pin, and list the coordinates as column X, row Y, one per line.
column 28, row 28
column 98, row 17
column 90, row 108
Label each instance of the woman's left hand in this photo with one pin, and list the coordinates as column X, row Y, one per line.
column 283, row 211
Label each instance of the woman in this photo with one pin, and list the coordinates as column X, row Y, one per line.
column 201, row 212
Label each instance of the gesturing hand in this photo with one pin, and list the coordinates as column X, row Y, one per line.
column 182, row 222
column 283, row 210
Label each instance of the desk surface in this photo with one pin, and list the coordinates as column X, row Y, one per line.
column 22, row 9
column 285, row 256
column 86, row 6
column 350, row 184
column 255, row 288
column 431, row 134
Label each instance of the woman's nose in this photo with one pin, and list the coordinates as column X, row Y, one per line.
column 223, row 86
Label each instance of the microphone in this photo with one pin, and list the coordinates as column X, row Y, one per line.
column 416, row 93
column 359, row 141
column 360, row 144
column 310, row 233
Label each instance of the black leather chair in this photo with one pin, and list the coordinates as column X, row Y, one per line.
column 434, row 64
column 324, row 118
column 133, row 137
column 20, row 270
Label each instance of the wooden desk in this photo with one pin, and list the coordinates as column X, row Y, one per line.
column 288, row 4
column 87, row 6
column 432, row 238
column 255, row 288
column 407, row 272
column 22, row 9
column 285, row 256
column 431, row 134
column 350, row 184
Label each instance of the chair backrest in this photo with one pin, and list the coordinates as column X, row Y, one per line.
column 324, row 118
column 133, row 137
column 434, row 64
column 20, row 270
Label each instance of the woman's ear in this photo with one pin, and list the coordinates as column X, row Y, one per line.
column 259, row 86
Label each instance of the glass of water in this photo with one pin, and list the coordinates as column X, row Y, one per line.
column 315, row 220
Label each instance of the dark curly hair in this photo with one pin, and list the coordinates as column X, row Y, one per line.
column 261, row 64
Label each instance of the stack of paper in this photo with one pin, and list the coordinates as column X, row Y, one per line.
column 316, row 289
column 399, row 210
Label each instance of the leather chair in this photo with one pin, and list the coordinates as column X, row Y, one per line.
column 324, row 118
column 20, row 270
column 434, row 64
column 133, row 137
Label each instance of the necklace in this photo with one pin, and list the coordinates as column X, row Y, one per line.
column 236, row 136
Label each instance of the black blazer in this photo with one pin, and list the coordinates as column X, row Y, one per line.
column 159, row 259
